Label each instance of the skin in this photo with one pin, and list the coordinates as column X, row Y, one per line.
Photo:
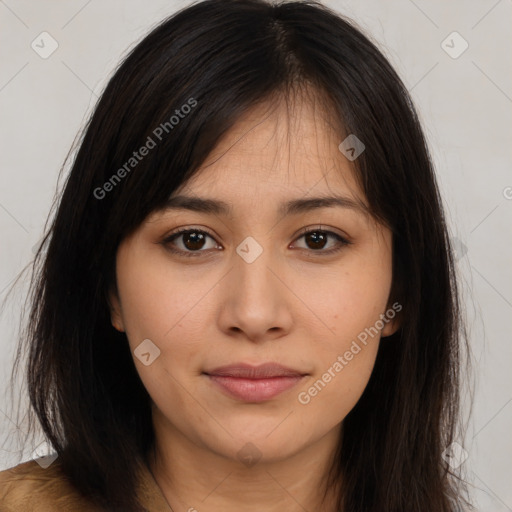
column 216, row 309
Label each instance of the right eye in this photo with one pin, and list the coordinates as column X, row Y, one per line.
column 192, row 241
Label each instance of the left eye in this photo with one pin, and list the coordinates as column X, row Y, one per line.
column 318, row 238
column 193, row 241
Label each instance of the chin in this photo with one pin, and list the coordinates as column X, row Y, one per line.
column 259, row 447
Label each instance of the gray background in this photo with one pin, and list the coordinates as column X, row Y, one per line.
column 465, row 104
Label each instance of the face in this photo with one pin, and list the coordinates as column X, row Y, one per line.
column 306, row 289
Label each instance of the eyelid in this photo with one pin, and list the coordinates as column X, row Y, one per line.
column 182, row 230
column 324, row 228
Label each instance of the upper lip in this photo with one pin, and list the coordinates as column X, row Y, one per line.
column 262, row 371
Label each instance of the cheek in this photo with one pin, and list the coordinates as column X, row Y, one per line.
column 158, row 307
column 164, row 306
column 325, row 401
column 345, row 353
column 342, row 374
column 344, row 301
column 159, row 302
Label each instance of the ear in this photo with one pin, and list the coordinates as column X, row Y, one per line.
column 393, row 320
column 115, row 310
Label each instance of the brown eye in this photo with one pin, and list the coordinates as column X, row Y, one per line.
column 192, row 242
column 317, row 239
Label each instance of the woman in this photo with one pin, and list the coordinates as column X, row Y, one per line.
column 247, row 300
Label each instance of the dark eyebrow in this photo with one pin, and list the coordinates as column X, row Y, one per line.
column 293, row 207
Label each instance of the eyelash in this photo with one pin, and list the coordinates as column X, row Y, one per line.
column 342, row 241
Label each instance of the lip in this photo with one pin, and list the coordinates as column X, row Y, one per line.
column 255, row 383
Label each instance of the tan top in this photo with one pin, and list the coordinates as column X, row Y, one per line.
column 30, row 488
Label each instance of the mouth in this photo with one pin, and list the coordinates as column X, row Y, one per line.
column 254, row 383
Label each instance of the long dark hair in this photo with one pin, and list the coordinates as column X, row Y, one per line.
column 179, row 90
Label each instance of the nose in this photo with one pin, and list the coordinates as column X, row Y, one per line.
column 256, row 301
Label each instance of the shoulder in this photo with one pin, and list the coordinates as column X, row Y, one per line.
column 29, row 487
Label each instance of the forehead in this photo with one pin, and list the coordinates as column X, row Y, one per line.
column 274, row 151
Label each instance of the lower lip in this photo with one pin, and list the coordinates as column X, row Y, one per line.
column 254, row 390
